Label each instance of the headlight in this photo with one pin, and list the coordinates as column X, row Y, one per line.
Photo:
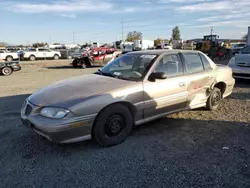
column 53, row 112
column 232, row 61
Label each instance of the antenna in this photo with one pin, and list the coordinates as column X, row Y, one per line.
column 122, row 27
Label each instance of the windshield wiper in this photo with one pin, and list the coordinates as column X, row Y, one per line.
column 126, row 78
column 104, row 74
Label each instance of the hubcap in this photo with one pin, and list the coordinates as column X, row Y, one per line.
column 114, row 126
column 6, row 71
column 215, row 99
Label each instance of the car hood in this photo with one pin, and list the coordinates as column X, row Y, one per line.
column 242, row 58
column 71, row 91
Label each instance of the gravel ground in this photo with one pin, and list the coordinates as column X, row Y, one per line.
column 190, row 149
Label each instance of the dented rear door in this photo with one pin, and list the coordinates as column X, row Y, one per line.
column 200, row 79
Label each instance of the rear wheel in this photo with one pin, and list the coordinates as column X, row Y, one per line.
column 9, row 58
column 113, row 125
column 56, row 57
column 214, row 99
column 6, row 71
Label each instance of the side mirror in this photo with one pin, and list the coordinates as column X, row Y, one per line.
column 157, row 75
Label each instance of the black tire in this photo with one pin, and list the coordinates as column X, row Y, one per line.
column 6, row 71
column 9, row 58
column 214, row 99
column 56, row 57
column 113, row 125
column 75, row 63
column 32, row 58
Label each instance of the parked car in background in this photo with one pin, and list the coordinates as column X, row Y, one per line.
column 41, row 53
column 8, row 56
column 167, row 47
column 135, row 88
column 7, row 68
column 77, row 53
column 94, row 57
column 240, row 64
column 237, row 47
column 70, row 53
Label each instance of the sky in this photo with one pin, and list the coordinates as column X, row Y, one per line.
column 80, row 21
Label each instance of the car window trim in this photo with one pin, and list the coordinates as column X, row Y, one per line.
column 206, row 70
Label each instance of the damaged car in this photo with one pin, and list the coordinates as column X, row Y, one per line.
column 133, row 89
column 7, row 68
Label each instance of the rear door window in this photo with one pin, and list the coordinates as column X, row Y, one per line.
column 193, row 62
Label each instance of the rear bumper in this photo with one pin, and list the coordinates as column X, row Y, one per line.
column 229, row 87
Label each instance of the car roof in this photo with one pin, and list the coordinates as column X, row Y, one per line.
column 160, row 52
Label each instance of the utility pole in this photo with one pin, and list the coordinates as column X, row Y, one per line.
column 122, row 27
column 49, row 39
column 73, row 37
column 212, row 30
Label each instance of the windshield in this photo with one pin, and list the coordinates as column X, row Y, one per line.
column 130, row 66
column 245, row 50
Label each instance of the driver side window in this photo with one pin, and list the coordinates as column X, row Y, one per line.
column 171, row 65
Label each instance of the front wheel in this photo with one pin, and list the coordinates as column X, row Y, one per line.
column 6, row 71
column 32, row 58
column 113, row 125
column 75, row 63
column 214, row 99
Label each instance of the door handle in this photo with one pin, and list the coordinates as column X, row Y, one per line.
column 181, row 84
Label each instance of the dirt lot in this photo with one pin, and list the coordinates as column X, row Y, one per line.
column 190, row 149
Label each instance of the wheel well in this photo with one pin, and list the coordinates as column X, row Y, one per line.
column 130, row 106
column 222, row 86
column 32, row 55
column 9, row 56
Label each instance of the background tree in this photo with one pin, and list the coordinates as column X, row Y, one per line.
column 134, row 35
column 176, row 35
column 57, row 43
column 157, row 41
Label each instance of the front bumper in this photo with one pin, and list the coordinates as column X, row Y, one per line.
column 59, row 131
column 240, row 72
column 16, row 68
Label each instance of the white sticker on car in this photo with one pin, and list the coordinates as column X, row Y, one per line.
column 148, row 56
column 117, row 73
